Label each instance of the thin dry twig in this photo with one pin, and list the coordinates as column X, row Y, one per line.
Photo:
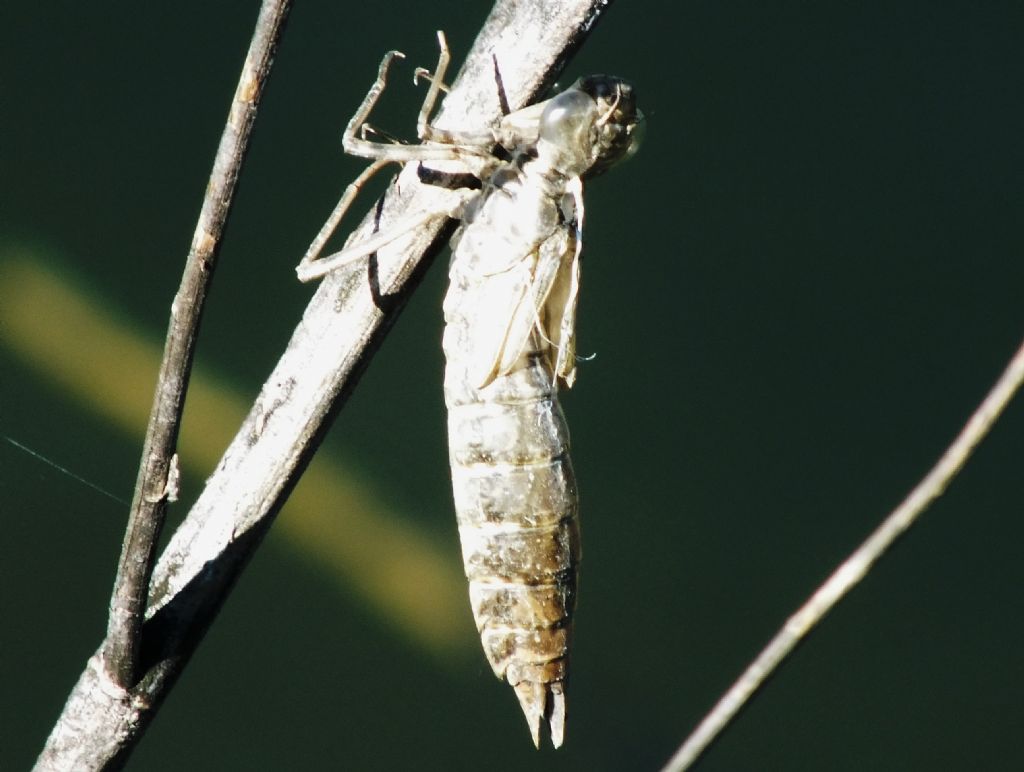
column 102, row 720
column 158, row 471
column 855, row 567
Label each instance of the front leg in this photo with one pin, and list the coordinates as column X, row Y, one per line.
column 355, row 142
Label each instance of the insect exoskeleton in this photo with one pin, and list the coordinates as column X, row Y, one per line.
column 509, row 342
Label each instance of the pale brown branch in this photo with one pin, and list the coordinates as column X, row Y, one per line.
column 157, row 470
column 855, row 567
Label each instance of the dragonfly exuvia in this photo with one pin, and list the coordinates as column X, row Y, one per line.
column 509, row 342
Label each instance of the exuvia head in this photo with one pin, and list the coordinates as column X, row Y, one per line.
column 595, row 124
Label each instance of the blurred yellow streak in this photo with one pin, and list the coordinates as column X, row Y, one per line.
column 331, row 517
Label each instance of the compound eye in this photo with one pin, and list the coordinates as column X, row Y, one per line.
column 567, row 120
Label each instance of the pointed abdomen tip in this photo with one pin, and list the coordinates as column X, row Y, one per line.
column 543, row 703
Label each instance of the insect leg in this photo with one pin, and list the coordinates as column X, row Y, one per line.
column 304, row 268
column 352, row 140
column 314, row 267
column 423, row 127
column 423, row 72
column 355, row 142
column 310, row 270
column 474, row 141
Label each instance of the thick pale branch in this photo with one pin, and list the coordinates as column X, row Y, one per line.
column 855, row 567
column 528, row 41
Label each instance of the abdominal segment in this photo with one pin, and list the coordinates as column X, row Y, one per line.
column 516, row 504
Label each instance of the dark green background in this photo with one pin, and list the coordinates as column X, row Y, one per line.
column 797, row 292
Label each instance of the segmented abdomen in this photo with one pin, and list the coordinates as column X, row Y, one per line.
column 516, row 503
